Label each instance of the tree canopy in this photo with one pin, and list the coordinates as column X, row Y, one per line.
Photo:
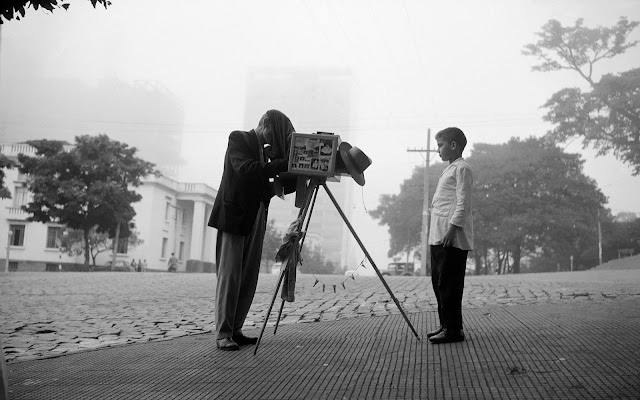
column 528, row 195
column 86, row 186
column 17, row 8
column 608, row 116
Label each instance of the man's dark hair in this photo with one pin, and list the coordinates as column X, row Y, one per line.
column 453, row 134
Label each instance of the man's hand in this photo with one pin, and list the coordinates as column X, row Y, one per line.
column 450, row 235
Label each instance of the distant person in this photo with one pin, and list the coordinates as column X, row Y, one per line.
column 173, row 263
column 144, row 265
column 134, row 265
column 450, row 235
column 240, row 216
column 139, row 265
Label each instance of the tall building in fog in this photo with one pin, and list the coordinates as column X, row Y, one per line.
column 315, row 99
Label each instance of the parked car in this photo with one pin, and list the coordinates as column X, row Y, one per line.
column 120, row 266
column 399, row 269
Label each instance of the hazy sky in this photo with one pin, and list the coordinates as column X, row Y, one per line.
column 415, row 65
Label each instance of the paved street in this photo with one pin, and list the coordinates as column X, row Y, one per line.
column 45, row 314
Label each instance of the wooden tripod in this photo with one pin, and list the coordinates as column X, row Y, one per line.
column 305, row 213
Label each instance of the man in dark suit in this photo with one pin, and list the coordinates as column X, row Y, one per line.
column 240, row 216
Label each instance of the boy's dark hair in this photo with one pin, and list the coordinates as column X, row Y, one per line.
column 453, row 134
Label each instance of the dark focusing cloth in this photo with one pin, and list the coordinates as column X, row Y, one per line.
column 282, row 129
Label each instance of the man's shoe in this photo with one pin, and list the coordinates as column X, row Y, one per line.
column 448, row 336
column 243, row 340
column 227, row 344
column 433, row 333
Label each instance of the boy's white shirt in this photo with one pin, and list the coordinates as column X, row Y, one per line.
column 451, row 204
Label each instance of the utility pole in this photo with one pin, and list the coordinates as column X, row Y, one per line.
column 599, row 240
column 425, row 260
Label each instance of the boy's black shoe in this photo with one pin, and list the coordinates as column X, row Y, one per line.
column 433, row 333
column 227, row 344
column 243, row 340
column 448, row 336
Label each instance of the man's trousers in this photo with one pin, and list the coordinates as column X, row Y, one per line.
column 237, row 267
column 448, row 265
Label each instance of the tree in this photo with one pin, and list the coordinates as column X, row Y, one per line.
column 530, row 195
column 86, row 186
column 402, row 212
column 99, row 242
column 271, row 243
column 11, row 8
column 5, row 162
column 313, row 261
column 608, row 116
column 620, row 234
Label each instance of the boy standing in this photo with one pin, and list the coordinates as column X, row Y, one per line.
column 450, row 235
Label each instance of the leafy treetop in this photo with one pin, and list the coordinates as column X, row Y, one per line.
column 608, row 116
column 17, row 8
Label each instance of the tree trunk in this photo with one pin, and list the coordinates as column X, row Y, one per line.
column 478, row 259
column 116, row 239
column 506, row 262
column 86, row 248
column 517, row 254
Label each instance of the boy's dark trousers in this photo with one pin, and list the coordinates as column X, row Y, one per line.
column 448, row 265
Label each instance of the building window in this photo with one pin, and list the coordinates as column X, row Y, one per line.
column 179, row 215
column 123, row 245
column 20, row 197
column 167, row 210
column 17, row 235
column 54, row 237
column 181, row 251
column 165, row 242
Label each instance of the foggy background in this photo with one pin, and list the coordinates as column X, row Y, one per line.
column 174, row 78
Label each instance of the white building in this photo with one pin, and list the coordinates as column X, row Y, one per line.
column 171, row 218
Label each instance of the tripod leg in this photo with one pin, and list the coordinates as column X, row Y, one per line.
column 266, row 319
column 353, row 232
column 279, row 316
column 307, row 211
column 303, row 212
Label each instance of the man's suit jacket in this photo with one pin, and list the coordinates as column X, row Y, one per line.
column 245, row 183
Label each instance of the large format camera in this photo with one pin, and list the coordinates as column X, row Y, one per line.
column 325, row 155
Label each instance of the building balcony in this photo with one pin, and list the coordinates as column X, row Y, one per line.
column 17, row 213
column 184, row 191
column 196, row 188
column 12, row 150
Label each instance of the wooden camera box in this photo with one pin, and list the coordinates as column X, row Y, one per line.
column 314, row 154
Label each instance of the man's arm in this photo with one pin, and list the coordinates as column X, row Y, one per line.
column 245, row 163
column 450, row 235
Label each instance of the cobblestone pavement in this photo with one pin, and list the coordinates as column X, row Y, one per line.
column 47, row 314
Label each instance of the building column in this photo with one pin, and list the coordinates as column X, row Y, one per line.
column 210, row 234
column 197, row 230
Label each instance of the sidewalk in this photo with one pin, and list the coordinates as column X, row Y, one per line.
column 579, row 350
